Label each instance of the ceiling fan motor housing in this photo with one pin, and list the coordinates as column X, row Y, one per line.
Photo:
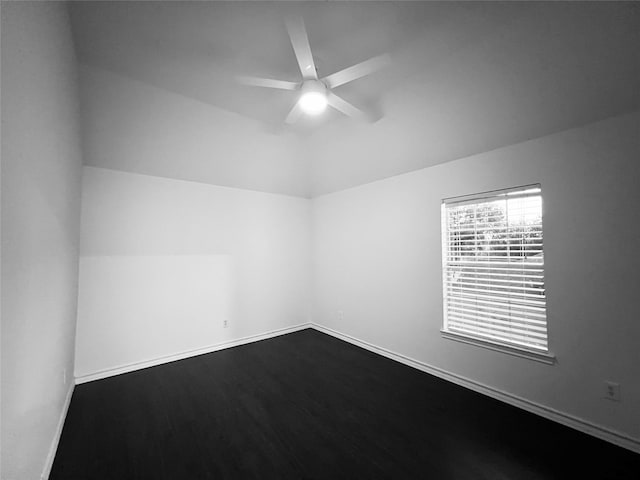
column 313, row 98
column 313, row 86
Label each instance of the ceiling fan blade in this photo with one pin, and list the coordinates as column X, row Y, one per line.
column 345, row 107
column 294, row 114
column 357, row 71
column 300, row 43
column 268, row 83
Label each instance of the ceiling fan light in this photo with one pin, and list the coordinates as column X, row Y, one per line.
column 313, row 103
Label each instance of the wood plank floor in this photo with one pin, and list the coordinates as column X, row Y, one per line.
column 308, row 406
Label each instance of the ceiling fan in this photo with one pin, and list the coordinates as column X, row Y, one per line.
column 316, row 93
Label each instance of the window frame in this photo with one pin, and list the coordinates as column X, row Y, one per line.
column 540, row 355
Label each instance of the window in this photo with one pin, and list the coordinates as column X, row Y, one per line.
column 493, row 269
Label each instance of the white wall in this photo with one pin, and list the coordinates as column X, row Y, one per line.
column 164, row 262
column 41, row 163
column 377, row 258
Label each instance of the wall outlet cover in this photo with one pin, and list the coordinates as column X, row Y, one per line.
column 612, row 391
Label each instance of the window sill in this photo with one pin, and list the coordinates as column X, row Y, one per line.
column 542, row 357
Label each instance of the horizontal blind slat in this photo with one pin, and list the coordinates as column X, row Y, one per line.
column 469, row 324
column 499, row 262
column 522, row 302
column 505, row 339
column 534, row 313
column 484, row 320
column 499, row 314
column 514, row 290
column 513, row 282
column 476, row 266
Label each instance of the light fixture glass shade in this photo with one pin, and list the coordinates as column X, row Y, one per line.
column 313, row 103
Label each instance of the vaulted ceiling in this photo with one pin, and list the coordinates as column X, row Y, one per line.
column 466, row 77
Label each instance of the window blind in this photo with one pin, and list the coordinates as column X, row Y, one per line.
column 493, row 268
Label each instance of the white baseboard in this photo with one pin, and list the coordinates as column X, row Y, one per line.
column 110, row 372
column 56, row 438
column 580, row 424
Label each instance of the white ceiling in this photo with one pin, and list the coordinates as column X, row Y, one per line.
column 466, row 77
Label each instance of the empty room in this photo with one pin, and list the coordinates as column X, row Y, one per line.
column 320, row 240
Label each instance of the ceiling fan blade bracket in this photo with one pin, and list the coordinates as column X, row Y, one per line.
column 356, row 71
column 294, row 114
column 268, row 83
column 300, row 43
column 347, row 108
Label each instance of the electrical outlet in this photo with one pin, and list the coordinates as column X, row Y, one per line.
column 340, row 315
column 225, row 323
column 612, row 391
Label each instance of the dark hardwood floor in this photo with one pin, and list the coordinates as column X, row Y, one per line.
column 309, row 406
